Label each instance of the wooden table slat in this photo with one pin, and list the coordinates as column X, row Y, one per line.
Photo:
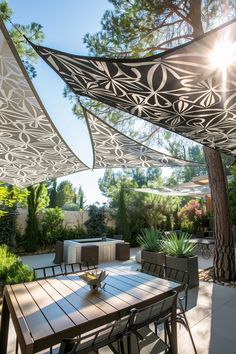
column 44, row 312
column 70, row 310
column 39, row 326
column 163, row 284
column 93, row 297
column 57, row 318
column 115, row 301
column 115, row 281
column 76, row 299
column 133, row 281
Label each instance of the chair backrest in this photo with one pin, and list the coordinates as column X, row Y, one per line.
column 179, row 276
column 78, row 267
column 96, row 339
column 72, row 268
column 152, row 269
column 48, row 271
column 182, row 277
column 159, row 311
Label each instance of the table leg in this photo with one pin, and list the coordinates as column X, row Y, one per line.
column 174, row 328
column 4, row 327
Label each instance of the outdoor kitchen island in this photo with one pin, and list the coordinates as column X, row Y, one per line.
column 106, row 249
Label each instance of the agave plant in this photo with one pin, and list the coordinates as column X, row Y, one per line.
column 178, row 245
column 150, row 239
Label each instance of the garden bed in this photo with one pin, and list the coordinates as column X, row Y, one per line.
column 20, row 252
column 206, row 275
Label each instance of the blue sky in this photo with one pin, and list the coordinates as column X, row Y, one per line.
column 65, row 23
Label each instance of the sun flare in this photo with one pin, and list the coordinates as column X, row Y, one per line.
column 223, row 55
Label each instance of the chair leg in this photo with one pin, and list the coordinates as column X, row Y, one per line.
column 122, row 349
column 168, row 335
column 17, row 346
column 129, row 344
column 184, row 321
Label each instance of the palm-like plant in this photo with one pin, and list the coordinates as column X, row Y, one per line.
column 178, row 246
column 150, row 239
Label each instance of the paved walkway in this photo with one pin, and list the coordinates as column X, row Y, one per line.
column 211, row 314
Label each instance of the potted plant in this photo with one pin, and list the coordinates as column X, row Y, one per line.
column 181, row 254
column 150, row 242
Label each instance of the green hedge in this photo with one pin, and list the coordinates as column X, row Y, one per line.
column 12, row 270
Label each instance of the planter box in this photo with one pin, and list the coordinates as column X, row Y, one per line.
column 186, row 264
column 153, row 257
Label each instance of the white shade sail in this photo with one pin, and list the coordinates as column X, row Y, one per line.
column 31, row 149
column 181, row 89
column 113, row 149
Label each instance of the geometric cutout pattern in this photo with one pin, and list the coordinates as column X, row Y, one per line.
column 31, row 149
column 178, row 90
column 113, row 149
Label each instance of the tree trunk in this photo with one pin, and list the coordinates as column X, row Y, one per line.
column 224, row 259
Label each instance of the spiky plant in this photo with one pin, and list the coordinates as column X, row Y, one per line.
column 178, row 246
column 150, row 239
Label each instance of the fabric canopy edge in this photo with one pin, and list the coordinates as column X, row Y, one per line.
column 135, row 60
column 26, row 76
column 165, row 155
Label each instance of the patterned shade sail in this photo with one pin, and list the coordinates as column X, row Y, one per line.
column 197, row 191
column 31, row 149
column 113, row 149
column 178, row 90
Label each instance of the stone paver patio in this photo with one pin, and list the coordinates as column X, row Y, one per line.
column 211, row 314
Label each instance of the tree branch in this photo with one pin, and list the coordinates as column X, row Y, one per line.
column 176, row 10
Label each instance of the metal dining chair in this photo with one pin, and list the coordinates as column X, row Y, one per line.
column 48, row 271
column 104, row 336
column 181, row 277
column 71, row 268
column 159, row 313
column 152, row 269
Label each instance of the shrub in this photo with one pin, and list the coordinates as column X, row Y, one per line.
column 71, row 207
column 193, row 213
column 12, row 270
column 51, row 225
column 150, row 239
column 96, row 225
column 71, row 233
column 178, row 246
column 18, row 273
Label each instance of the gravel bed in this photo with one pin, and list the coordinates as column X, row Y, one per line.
column 206, row 275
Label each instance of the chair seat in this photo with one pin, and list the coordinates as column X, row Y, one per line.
column 150, row 344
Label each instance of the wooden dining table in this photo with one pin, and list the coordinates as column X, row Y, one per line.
column 44, row 312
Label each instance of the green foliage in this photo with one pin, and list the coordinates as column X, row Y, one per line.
column 71, row 207
column 5, row 10
column 80, row 198
column 12, row 270
column 51, row 225
column 34, row 32
column 96, row 225
column 71, row 233
column 10, row 196
column 52, row 192
column 121, row 216
column 37, row 201
column 178, row 246
column 192, row 213
column 19, row 273
column 8, row 228
column 150, row 239
column 65, row 193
